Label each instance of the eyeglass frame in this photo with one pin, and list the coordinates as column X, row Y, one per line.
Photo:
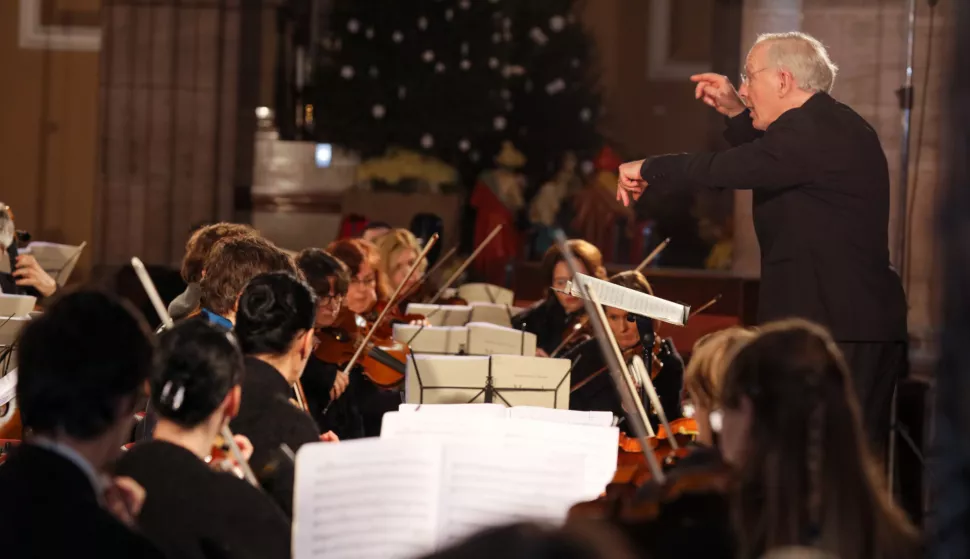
column 746, row 77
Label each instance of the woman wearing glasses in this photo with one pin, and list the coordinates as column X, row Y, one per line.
column 323, row 382
column 556, row 318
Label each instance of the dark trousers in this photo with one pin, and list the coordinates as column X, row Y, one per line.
column 875, row 368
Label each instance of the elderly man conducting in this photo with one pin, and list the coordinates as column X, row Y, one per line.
column 820, row 186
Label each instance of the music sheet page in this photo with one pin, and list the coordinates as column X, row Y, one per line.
column 366, row 499
column 490, row 484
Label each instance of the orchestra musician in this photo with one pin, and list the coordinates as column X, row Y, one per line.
column 274, row 326
column 792, row 430
column 374, row 230
column 704, row 376
column 197, row 249
column 230, row 265
column 367, row 286
column 591, row 385
column 191, row 510
column 553, row 318
column 26, row 276
column 397, row 251
column 83, row 367
column 324, row 382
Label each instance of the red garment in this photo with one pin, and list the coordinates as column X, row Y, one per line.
column 352, row 226
column 504, row 248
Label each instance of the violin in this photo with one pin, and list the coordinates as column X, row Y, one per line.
column 384, row 362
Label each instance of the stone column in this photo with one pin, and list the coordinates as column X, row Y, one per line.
column 760, row 16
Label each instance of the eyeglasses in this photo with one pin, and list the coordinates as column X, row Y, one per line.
column 746, row 78
column 332, row 301
column 560, row 283
column 368, row 281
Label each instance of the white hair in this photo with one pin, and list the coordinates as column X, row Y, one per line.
column 802, row 55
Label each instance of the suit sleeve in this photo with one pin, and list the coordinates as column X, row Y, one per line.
column 776, row 160
column 739, row 129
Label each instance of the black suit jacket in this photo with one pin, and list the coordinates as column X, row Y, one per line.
column 269, row 419
column 194, row 512
column 821, row 214
column 49, row 510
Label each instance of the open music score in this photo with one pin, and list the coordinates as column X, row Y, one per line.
column 498, row 411
column 397, row 499
column 632, row 301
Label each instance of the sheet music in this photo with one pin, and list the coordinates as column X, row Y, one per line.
column 490, row 484
column 572, row 417
column 597, row 445
column 366, row 499
column 8, row 387
column 497, row 411
column 632, row 301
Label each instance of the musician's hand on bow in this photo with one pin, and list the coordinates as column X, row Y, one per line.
column 718, row 92
column 330, row 437
column 630, row 185
column 123, row 498
column 245, row 446
column 30, row 274
column 340, row 383
column 541, row 353
column 420, row 322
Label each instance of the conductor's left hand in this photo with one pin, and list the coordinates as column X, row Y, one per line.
column 630, row 185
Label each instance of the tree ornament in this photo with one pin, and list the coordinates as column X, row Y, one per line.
column 347, row 72
column 449, row 14
column 353, row 26
column 466, row 64
column 427, row 142
column 499, row 123
column 428, row 56
column 493, row 63
column 538, row 36
column 397, row 36
column 378, row 111
column 585, row 114
column 464, row 144
column 464, row 4
column 557, row 23
column 422, row 23
column 439, row 67
column 369, row 33
column 555, row 86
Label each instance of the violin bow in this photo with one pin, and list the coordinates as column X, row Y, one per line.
column 572, row 335
column 615, row 361
column 647, row 382
column 390, row 303
column 167, row 322
column 653, row 254
column 430, row 272
column 464, row 265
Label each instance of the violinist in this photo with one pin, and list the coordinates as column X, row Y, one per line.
column 792, row 430
column 592, row 387
column 704, row 376
column 191, row 510
column 397, row 251
column 367, row 286
column 274, row 326
column 26, row 276
column 555, row 317
column 324, row 382
column 230, row 265
column 197, row 249
column 83, row 367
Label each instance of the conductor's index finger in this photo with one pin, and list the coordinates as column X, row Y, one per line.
column 706, row 77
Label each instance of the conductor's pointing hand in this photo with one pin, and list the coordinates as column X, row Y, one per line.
column 716, row 90
column 630, row 184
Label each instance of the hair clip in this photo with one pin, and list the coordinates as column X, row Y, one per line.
column 179, row 397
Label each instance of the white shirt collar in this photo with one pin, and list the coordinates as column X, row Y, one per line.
column 75, row 457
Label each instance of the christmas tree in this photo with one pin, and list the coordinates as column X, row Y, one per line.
column 425, row 75
column 556, row 102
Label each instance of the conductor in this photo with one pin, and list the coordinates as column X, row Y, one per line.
column 820, row 186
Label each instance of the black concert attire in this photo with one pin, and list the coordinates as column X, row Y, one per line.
column 594, row 389
column 194, row 512
column 50, row 509
column 820, row 186
column 342, row 417
column 8, row 285
column 269, row 419
column 548, row 320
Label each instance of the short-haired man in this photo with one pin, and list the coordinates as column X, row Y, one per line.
column 197, row 249
column 83, row 367
column 231, row 263
column 821, row 207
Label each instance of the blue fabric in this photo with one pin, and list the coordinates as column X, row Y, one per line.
column 217, row 319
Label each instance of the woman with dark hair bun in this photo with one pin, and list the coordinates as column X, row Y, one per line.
column 274, row 326
column 190, row 508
